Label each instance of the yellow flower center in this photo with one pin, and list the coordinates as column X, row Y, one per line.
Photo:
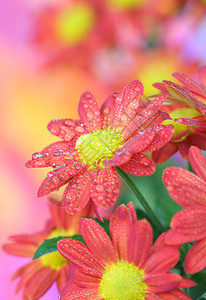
column 95, row 147
column 122, row 280
column 55, row 260
column 187, row 112
column 125, row 4
column 74, row 23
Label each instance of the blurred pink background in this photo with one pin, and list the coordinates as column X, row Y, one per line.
column 33, row 93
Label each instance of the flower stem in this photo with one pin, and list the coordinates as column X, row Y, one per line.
column 141, row 199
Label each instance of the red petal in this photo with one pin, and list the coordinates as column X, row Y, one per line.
column 160, row 283
column 163, row 135
column 199, row 121
column 162, row 261
column 97, row 241
column 20, row 249
column 127, row 103
column 120, row 227
column 89, row 112
column 77, row 194
column 161, row 155
column 104, row 187
column 145, row 114
column 131, row 208
column 81, row 279
column 176, row 238
column 156, row 119
column 140, row 141
column 59, row 177
column 139, row 165
column 80, row 255
column 183, row 148
column 140, row 242
column 107, row 111
column 198, row 139
column 54, row 155
column 40, row 283
column 202, row 75
column 63, row 277
column 65, row 129
column 198, row 162
column 174, row 295
column 195, row 260
column 184, row 187
column 190, row 221
column 91, row 294
column 160, row 243
column 184, row 97
column 188, row 82
column 186, row 282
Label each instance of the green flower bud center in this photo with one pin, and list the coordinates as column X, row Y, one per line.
column 95, row 147
column 122, row 280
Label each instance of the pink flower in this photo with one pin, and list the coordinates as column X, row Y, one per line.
column 126, row 266
column 115, row 135
column 189, row 224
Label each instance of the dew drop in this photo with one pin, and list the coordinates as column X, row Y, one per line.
column 90, row 116
column 55, row 130
column 99, row 188
column 145, row 161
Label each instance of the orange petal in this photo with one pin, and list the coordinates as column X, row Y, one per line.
column 195, row 260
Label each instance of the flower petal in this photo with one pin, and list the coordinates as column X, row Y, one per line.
column 183, row 148
column 199, row 121
column 161, row 155
column 174, row 295
column 107, row 111
column 81, row 279
column 145, row 114
column 40, row 283
column 54, row 155
column 202, row 75
column 195, row 260
column 77, row 193
column 89, row 112
column 97, row 241
column 163, row 135
column 80, row 255
column 20, row 249
column 198, row 162
column 160, row 283
column 63, row 277
column 184, row 187
column 198, row 139
column 59, row 177
column 140, row 242
column 139, row 165
column 140, row 141
column 92, row 294
column 104, row 187
column 160, row 243
column 120, row 227
column 132, row 212
column 190, row 222
column 162, row 261
column 65, row 129
column 188, row 82
column 127, row 103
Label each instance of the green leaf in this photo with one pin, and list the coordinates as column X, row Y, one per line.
column 198, row 292
column 50, row 245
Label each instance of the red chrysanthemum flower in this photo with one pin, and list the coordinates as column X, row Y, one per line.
column 188, row 114
column 37, row 276
column 189, row 224
column 115, row 135
column 125, row 267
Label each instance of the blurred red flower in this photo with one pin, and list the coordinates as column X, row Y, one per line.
column 37, row 276
column 189, row 224
column 125, row 267
column 188, row 113
column 115, row 135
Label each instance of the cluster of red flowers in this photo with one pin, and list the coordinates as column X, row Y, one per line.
column 125, row 265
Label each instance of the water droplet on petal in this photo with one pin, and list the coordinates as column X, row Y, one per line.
column 145, row 161
column 99, row 188
column 106, row 111
column 90, row 116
